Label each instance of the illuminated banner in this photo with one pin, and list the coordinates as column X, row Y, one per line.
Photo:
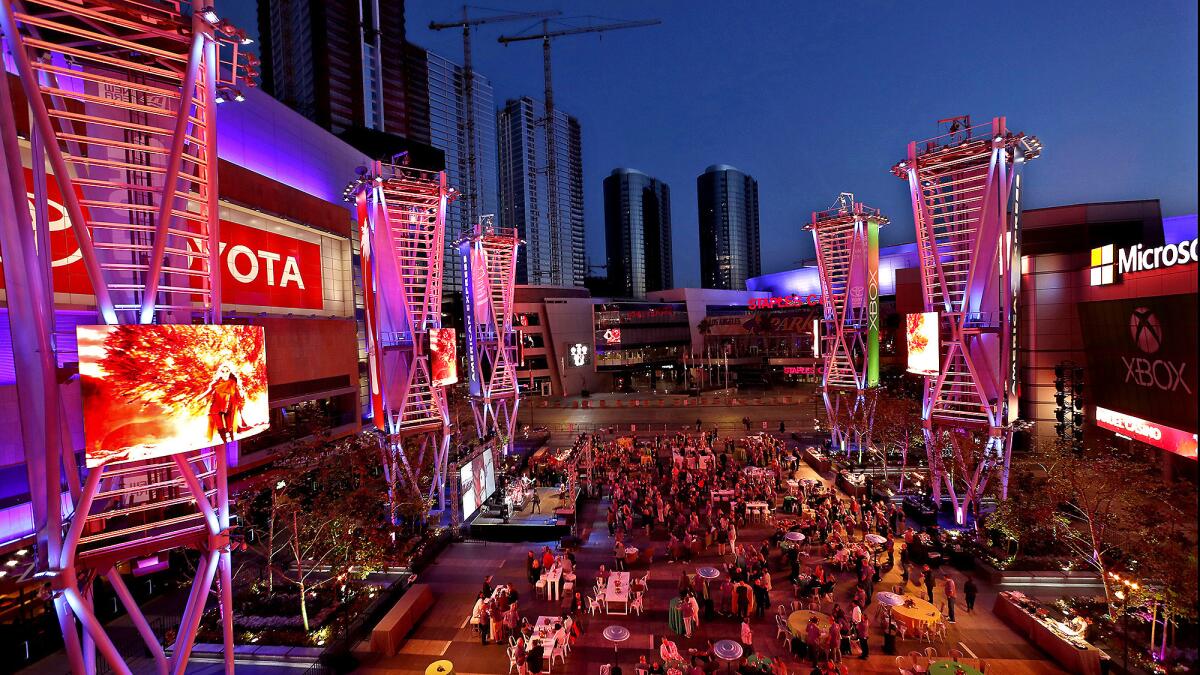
column 923, row 345
column 792, row 300
column 478, row 482
column 802, row 370
column 69, row 275
column 609, row 336
column 466, row 253
column 872, row 303
column 1159, row 435
column 266, row 269
column 1141, row 357
column 155, row 390
column 260, row 268
column 443, row 357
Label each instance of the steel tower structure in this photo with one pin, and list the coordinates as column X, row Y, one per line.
column 965, row 187
column 489, row 257
column 121, row 98
column 847, row 244
column 402, row 216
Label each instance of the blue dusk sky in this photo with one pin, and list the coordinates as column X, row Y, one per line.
column 813, row 98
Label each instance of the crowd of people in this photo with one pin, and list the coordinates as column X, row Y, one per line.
column 696, row 491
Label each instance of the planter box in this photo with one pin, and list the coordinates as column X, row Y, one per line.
column 1056, row 579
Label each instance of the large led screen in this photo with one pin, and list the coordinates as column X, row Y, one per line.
column 1141, row 357
column 150, row 391
column 923, row 348
column 478, row 481
column 443, row 356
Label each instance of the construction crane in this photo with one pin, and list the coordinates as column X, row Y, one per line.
column 466, row 23
column 551, row 146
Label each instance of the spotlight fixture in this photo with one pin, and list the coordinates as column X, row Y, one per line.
column 209, row 14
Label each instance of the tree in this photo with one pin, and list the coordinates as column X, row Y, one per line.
column 897, row 424
column 1102, row 505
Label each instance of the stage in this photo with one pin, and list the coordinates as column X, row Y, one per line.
column 552, row 521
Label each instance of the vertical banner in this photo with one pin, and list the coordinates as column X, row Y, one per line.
column 872, row 303
column 465, row 253
column 921, row 334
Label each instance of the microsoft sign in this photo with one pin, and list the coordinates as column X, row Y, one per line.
column 1108, row 264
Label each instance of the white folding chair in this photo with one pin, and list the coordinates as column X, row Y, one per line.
column 559, row 652
column 781, row 629
column 512, row 659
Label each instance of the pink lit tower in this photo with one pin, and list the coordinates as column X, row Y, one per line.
column 965, row 186
column 847, row 243
column 488, row 256
column 120, row 99
column 402, row 216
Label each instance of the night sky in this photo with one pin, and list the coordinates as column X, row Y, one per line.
column 813, row 98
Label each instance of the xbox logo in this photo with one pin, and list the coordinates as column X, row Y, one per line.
column 1145, row 330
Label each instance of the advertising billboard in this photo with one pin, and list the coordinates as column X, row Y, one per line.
column 1141, row 357
column 258, row 267
column 924, row 349
column 443, row 357
column 1159, row 435
column 155, row 390
column 265, row 269
column 478, row 481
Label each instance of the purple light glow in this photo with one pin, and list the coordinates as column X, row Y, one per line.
column 806, row 281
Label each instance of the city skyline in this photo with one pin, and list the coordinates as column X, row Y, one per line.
column 804, row 155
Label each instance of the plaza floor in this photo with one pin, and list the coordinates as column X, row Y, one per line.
column 458, row 573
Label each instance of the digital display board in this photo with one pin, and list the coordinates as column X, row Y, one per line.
column 155, row 390
column 443, row 357
column 1141, row 357
column 921, row 331
column 478, row 481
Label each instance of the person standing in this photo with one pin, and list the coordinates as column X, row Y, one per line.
column 951, row 591
column 537, row 502
column 863, row 628
column 928, row 581
column 619, row 556
column 970, row 590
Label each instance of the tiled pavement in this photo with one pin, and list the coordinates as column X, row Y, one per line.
column 458, row 573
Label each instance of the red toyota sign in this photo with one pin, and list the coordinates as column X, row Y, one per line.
column 268, row 269
column 260, row 268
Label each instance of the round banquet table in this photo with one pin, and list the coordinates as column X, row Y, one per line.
column 795, row 537
column 675, row 617
column 798, row 622
column 709, row 572
column 728, row 650
column 442, row 667
column 950, row 668
column 631, row 554
column 876, row 539
column 921, row 613
column 889, row 599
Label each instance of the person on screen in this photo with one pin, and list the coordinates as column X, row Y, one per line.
column 225, row 403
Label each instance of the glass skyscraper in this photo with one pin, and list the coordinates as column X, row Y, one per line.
column 728, row 209
column 547, row 258
column 475, row 181
column 637, row 227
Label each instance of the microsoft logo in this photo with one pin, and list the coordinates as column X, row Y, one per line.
column 1103, row 271
column 1107, row 263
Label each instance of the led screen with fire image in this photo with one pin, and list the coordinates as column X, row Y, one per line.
column 923, row 348
column 151, row 391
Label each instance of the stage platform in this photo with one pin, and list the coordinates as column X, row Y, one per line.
column 551, row 523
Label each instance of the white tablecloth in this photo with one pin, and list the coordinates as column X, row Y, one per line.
column 617, row 593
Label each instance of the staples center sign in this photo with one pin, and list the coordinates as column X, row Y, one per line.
column 792, row 300
column 259, row 268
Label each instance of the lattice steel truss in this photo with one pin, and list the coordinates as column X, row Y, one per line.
column 965, row 187
column 402, row 213
column 489, row 256
column 847, row 244
column 120, row 96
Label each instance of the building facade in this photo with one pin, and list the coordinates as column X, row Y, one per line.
column 727, row 201
column 637, row 226
column 548, row 258
column 342, row 64
column 472, row 174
